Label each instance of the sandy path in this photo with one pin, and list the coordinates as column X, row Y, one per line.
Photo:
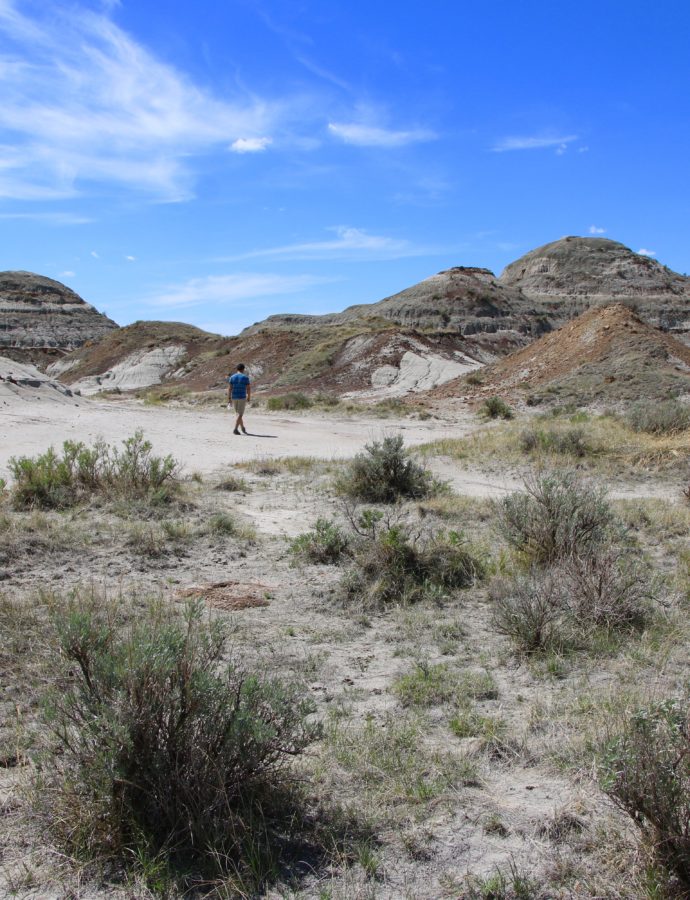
column 201, row 440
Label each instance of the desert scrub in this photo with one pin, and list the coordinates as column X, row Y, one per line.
column 430, row 685
column 668, row 417
column 393, row 566
column 645, row 769
column 607, row 591
column 290, row 401
column 51, row 481
column 384, row 473
column 556, row 516
column 165, row 748
column 562, row 442
column 326, row 543
column 495, row 408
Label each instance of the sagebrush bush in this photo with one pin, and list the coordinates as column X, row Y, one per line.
column 393, row 567
column 667, row 417
column 293, row 400
column 645, row 769
column 567, row 602
column 556, row 516
column 51, row 481
column 496, row 408
column 325, row 543
column 384, row 473
column 164, row 746
column 567, row 442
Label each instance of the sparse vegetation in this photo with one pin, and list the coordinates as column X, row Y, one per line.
column 667, row 417
column 50, row 481
column 645, row 769
column 385, row 473
column 326, row 543
column 290, row 401
column 165, row 747
column 496, row 408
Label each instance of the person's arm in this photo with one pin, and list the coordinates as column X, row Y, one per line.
column 249, row 391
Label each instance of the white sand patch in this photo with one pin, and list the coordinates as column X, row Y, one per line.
column 418, row 373
column 138, row 370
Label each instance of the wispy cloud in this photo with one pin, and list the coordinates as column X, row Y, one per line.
column 83, row 102
column 644, row 252
column 375, row 136
column 233, row 289
column 594, row 229
column 538, row 142
column 348, row 243
column 48, row 218
column 250, row 145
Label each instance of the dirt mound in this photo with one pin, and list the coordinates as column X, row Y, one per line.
column 604, row 354
column 575, row 273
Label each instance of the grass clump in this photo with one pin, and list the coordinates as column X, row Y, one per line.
column 384, row 473
column 496, row 408
column 565, row 442
column 667, row 417
column 326, row 543
column 392, row 566
column 645, row 769
column 52, row 481
column 166, row 750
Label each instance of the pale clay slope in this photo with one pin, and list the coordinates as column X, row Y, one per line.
column 138, row 370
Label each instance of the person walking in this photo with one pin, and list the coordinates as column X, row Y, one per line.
column 239, row 394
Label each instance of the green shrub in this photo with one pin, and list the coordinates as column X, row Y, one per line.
column 496, row 408
column 645, row 769
column 385, row 473
column 393, row 567
column 326, row 543
column 556, row 516
column 667, row 417
column 233, row 483
column 294, row 400
column 164, row 747
column 50, row 481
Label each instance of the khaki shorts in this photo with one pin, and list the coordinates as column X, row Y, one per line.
column 239, row 406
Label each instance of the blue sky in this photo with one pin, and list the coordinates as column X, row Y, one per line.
column 218, row 161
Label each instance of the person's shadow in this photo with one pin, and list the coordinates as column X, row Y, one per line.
column 251, row 434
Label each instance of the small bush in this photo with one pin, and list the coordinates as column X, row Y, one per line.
column 385, row 473
column 50, row 481
column 164, row 747
column 668, row 417
column 645, row 769
column 569, row 442
column 232, row 484
column 567, row 603
column 556, row 516
column 392, row 567
column 294, row 400
column 326, row 544
column 496, row 408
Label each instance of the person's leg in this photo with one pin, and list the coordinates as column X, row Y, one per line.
column 239, row 409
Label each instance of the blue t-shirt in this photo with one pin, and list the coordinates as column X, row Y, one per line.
column 238, row 386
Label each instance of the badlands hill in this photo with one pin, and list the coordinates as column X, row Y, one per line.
column 41, row 319
column 427, row 335
column 575, row 273
column 604, row 355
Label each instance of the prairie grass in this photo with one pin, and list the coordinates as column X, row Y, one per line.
column 605, row 444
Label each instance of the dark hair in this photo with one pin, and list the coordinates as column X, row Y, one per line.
column 240, row 368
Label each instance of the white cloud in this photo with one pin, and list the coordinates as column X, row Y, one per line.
column 348, row 243
column 83, row 102
column 643, row 252
column 67, row 274
column 593, row 229
column 541, row 142
column 130, row 258
column 234, row 289
column 95, row 255
column 250, row 145
column 374, row 136
column 48, row 218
